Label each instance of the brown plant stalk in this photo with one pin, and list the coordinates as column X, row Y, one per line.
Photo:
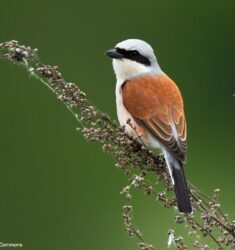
column 133, row 158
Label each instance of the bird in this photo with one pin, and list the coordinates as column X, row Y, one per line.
column 151, row 101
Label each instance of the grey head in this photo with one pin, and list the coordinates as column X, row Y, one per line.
column 133, row 57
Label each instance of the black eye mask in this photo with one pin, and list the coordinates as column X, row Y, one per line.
column 134, row 55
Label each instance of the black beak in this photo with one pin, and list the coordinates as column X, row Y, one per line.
column 113, row 54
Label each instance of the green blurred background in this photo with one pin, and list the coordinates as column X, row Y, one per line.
column 59, row 192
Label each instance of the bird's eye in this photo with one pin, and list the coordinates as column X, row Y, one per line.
column 121, row 51
column 134, row 52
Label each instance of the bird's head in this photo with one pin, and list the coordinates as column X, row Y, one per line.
column 133, row 58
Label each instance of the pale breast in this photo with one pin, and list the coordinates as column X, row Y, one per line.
column 124, row 116
column 122, row 113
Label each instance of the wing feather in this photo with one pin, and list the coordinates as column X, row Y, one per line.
column 155, row 102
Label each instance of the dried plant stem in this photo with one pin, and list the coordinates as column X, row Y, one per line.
column 201, row 196
column 130, row 154
column 207, row 232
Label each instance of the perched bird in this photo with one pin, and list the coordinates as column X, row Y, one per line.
column 148, row 98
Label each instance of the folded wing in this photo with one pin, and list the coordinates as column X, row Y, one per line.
column 155, row 102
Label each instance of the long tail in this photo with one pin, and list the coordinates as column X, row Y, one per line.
column 180, row 185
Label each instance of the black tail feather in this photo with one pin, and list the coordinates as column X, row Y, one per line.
column 181, row 189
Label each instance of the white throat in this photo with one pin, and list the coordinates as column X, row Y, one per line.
column 126, row 69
